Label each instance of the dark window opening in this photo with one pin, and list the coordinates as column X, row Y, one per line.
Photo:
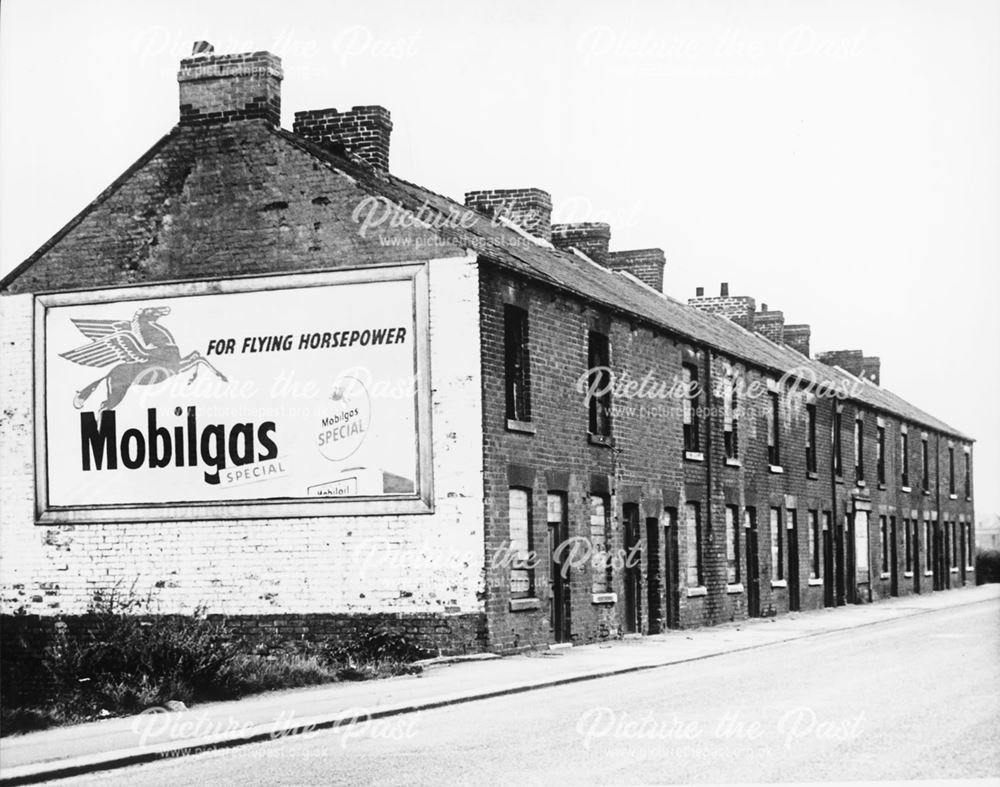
column 811, row 439
column 515, row 333
column 859, row 449
column 599, row 357
column 880, row 454
column 773, row 430
column 838, row 463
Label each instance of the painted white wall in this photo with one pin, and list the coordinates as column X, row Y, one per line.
column 416, row 563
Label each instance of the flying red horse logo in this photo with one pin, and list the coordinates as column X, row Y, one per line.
column 144, row 352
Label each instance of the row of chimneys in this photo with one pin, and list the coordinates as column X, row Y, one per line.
column 218, row 89
column 742, row 309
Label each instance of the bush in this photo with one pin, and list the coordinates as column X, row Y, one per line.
column 987, row 566
column 127, row 661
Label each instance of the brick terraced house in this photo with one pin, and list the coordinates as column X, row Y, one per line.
column 202, row 405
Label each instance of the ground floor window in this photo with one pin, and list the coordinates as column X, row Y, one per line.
column 693, row 546
column 732, row 545
column 600, row 511
column 815, row 547
column 522, row 573
column 777, row 545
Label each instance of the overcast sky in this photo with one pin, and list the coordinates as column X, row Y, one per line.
column 839, row 161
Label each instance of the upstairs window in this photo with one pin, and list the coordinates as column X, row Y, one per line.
column 730, row 420
column 904, row 457
column 773, row 429
column 599, row 356
column 689, row 408
column 925, row 466
column 522, row 572
column 880, row 454
column 968, row 478
column 859, row 449
column 811, row 438
column 838, row 459
column 517, row 381
column 951, row 469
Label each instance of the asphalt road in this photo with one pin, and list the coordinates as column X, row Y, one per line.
column 917, row 698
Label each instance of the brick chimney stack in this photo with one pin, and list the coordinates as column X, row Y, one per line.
column 740, row 309
column 590, row 237
column 529, row 209
column 645, row 264
column 770, row 324
column 855, row 362
column 362, row 132
column 797, row 337
column 216, row 89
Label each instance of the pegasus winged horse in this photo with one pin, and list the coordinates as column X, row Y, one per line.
column 144, row 352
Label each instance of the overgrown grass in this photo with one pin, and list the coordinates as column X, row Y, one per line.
column 129, row 662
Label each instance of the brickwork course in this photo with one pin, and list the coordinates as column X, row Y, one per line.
column 229, row 193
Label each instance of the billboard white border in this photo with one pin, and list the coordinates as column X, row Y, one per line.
column 420, row 502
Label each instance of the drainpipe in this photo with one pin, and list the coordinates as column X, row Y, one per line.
column 710, row 535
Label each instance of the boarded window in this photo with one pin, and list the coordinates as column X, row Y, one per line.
column 815, row 546
column 777, row 545
column 693, row 543
column 690, row 408
column 521, row 572
column 599, row 526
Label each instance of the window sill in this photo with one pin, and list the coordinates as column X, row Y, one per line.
column 734, row 589
column 928, row 573
column 694, row 456
column 968, row 499
column 953, row 497
column 698, row 591
column 862, row 483
column 776, row 468
column 812, row 475
column 734, row 463
column 954, row 569
column 601, row 439
column 522, row 604
column 815, row 582
column 905, row 488
column 881, row 485
column 526, row 427
column 838, row 480
column 907, row 575
column 927, row 493
column 604, row 598
column 779, row 583
column 884, row 575
column 970, row 568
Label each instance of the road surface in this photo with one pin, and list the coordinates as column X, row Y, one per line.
column 917, row 698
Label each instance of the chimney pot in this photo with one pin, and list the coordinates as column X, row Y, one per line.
column 699, row 292
column 724, row 290
column 202, row 48
column 763, row 307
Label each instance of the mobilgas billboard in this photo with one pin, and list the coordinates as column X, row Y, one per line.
column 283, row 396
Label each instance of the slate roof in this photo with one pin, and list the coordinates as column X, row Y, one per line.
column 502, row 245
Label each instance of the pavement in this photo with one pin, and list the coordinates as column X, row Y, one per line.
column 147, row 737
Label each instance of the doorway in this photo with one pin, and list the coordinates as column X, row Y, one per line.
column 893, row 558
column 633, row 569
column 752, row 563
column 671, row 611
column 794, row 598
column 559, row 604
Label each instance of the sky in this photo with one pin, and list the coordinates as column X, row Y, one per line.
column 839, row 161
